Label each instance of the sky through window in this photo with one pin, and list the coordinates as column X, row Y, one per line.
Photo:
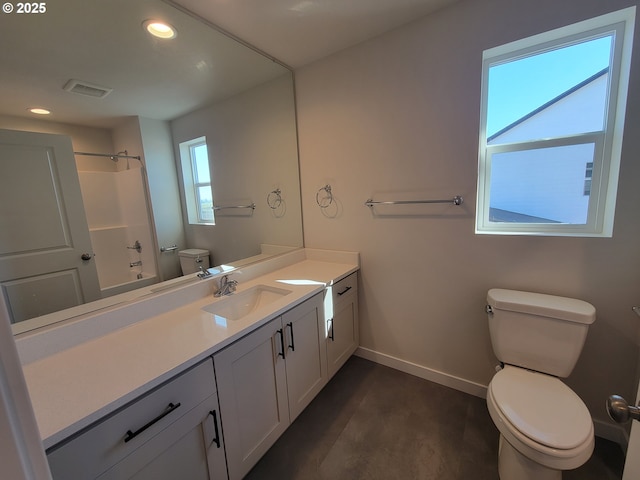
column 518, row 87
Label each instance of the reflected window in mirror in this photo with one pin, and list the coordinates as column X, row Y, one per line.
column 196, row 177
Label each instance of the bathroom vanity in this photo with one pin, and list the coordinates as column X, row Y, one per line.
column 192, row 386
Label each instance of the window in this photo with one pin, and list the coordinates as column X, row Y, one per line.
column 551, row 126
column 196, row 178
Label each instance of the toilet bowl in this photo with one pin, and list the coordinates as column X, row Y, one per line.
column 544, row 426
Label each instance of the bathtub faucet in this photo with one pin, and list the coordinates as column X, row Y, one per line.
column 136, row 246
column 135, row 264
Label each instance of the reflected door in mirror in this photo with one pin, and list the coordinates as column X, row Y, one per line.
column 43, row 228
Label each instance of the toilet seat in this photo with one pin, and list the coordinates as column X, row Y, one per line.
column 542, row 407
column 541, row 417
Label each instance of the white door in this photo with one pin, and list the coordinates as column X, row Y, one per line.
column 43, row 228
column 632, row 463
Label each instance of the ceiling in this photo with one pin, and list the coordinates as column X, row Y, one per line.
column 297, row 32
column 102, row 43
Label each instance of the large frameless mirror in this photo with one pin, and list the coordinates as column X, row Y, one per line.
column 94, row 199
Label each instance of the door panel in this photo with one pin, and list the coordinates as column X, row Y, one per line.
column 55, row 291
column 306, row 354
column 43, row 228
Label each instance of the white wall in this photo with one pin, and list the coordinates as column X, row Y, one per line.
column 164, row 193
column 84, row 139
column 398, row 116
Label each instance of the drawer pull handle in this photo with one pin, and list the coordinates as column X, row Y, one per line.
column 131, row 435
column 331, row 334
column 344, row 291
column 215, row 428
column 292, row 346
column 281, row 333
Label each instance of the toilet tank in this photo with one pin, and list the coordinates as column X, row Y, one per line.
column 192, row 259
column 540, row 332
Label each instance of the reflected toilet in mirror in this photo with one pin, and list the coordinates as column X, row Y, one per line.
column 193, row 260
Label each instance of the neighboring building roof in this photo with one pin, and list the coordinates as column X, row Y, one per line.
column 565, row 94
column 505, row 216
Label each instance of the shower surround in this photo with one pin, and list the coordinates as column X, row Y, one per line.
column 116, row 209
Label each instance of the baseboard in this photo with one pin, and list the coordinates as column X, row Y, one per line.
column 615, row 433
column 435, row 376
column 608, row 431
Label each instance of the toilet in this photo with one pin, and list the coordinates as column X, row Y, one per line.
column 544, row 426
column 192, row 259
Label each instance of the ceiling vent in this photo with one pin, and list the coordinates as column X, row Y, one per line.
column 87, row 89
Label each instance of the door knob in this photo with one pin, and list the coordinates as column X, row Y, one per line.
column 87, row 256
column 620, row 411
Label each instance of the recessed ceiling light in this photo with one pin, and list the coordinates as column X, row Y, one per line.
column 40, row 111
column 159, row 29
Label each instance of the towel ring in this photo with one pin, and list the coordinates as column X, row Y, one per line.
column 327, row 199
column 274, row 199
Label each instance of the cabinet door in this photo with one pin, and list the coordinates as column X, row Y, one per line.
column 190, row 448
column 252, row 389
column 306, row 354
column 342, row 326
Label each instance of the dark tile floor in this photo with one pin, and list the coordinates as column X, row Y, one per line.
column 372, row 422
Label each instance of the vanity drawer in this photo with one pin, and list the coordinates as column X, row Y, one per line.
column 110, row 440
column 345, row 287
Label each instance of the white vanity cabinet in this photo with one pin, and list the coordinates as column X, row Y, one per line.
column 267, row 378
column 172, row 432
column 341, row 311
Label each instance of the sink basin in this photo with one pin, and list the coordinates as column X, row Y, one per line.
column 241, row 304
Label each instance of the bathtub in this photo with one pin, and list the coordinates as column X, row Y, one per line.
column 128, row 283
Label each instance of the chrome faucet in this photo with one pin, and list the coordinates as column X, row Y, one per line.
column 135, row 264
column 203, row 273
column 226, row 286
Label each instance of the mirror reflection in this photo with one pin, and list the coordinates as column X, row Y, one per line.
column 105, row 194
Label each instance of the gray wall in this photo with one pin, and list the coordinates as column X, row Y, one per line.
column 399, row 116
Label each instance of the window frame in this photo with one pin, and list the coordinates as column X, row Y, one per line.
column 190, row 185
column 608, row 142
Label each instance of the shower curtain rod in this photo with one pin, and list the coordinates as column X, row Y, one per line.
column 112, row 156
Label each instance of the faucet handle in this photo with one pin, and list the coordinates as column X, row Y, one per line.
column 203, row 273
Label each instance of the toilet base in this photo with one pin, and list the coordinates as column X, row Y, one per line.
column 512, row 465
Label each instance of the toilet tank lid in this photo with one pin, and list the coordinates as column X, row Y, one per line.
column 569, row 309
column 193, row 252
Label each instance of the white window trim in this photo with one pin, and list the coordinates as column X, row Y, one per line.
column 188, row 181
column 607, row 168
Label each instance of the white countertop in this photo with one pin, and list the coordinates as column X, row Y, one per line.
column 73, row 388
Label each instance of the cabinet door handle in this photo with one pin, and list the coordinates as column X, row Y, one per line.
column 216, row 439
column 281, row 333
column 131, row 435
column 344, row 291
column 292, row 346
column 331, row 330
